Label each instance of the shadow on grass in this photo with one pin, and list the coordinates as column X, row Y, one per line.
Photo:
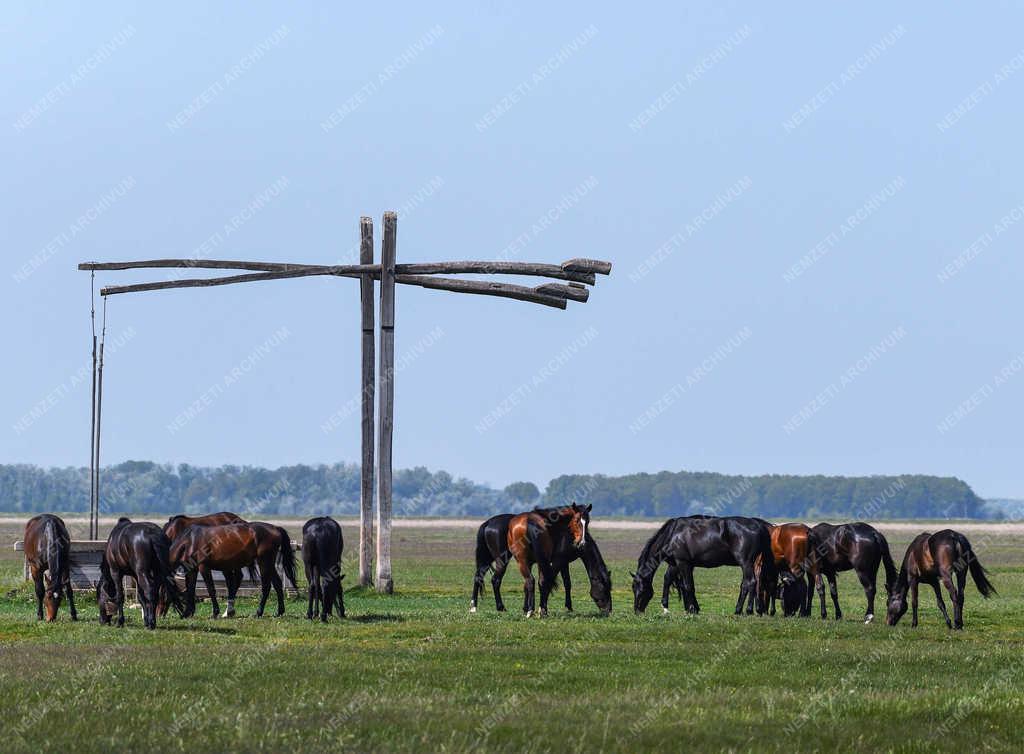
column 375, row 618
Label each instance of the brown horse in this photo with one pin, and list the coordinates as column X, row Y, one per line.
column 140, row 551
column 534, row 537
column 48, row 551
column 177, row 524
column 230, row 548
column 791, row 544
column 932, row 558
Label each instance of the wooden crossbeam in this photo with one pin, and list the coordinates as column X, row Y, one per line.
column 575, row 270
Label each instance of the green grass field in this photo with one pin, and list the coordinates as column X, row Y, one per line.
column 416, row 672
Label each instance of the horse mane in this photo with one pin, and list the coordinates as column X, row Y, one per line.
column 655, row 540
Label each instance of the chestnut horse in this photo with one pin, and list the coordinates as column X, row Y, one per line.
column 492, row 553
column 177, row 524
column 791, row 545
column 932, row 558
column 535, row 537
column 322, row 545
column 48, row 551
column 140, row 551
column 232, row 547
column 856, row 547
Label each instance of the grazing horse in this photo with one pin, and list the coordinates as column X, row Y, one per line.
column 698, row 542
column 535, row 537
column 492, row 552
column 858, row 547
column 791, row 544
column 322, row 545
column 48, row 551
column 177, row 524
column 232, row 547
column 140, row 551
column 932, row 558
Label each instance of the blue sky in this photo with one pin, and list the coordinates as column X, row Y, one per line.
column 815, row 216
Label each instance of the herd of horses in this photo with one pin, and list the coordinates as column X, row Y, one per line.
column 197, row 546
column 784, row 562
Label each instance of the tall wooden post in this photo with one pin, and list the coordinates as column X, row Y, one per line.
column 368, row 381
column 386, row 402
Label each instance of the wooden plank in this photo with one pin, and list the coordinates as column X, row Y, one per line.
column 351, row 270
column 386, row 402
column 565, row 291
column 495, row 268
column 368, row 384
column 484, row 288
column 587, row 265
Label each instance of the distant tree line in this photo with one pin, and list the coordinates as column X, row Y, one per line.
column 137, row 487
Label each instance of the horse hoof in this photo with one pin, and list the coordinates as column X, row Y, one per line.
column 664, row 611
column 529, row 613
column 472, row 608
column 868, row 618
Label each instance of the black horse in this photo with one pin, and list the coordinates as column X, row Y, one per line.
column 322, row 545
column 856, row 547
column 492, row 552
column 140, row 551
column 932, row 558
column 708, row 542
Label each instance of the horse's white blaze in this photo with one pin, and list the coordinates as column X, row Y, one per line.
column 584, row 538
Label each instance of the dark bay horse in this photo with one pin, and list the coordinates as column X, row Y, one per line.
column 708, row 542
column 932, row 558
column 322, row 545
column 492, row 552
column 177, row 524
column 140, row 551
column 850, row 547
column 48, row 551
column 535, row 537
column 230, row 548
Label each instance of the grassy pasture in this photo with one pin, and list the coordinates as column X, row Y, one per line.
column 416, row 672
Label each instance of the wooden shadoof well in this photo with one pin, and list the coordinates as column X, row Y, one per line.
column 572, row 279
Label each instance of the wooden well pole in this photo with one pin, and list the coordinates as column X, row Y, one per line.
column 368, row 382
column 386, row 402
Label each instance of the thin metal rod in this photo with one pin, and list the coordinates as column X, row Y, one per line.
column 92, row 425
column 99, row 416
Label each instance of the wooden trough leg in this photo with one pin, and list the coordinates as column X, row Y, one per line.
column 366, row 478
column 386, row 405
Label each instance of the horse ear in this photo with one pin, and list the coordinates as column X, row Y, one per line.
column 590, row 507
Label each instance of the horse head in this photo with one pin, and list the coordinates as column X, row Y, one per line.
column 578, row 523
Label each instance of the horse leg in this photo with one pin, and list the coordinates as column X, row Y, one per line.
column 805, row 608
column 37, row 577
column 941, row 602
column 478, row 586
column 340, row 597
column 496, row 577
column 71, row 598
column 190, row 593
column 265, row 569
column 751, row 579
column 867, row 580
column 819, row 584
column 688, row 588
column 275, row 578
column 207, row 575
column 743, row 595
column 666, row 587
column 947, row 582
column 119, row 597
column 913, row 601
column 233, row 580
column 958, row 600
column 567, row 585
column 310, row 591
column 834, row 591
column 144, row 588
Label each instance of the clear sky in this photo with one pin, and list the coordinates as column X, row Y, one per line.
column 815, row 217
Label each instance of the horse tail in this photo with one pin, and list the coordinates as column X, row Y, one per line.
column 254, row 575
column 484, row 562
column 287, row 556
column 165, row 575
column 534, row 532
column 57, row 557
column 890, row 567
column 765, row 574
column 978, row 572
